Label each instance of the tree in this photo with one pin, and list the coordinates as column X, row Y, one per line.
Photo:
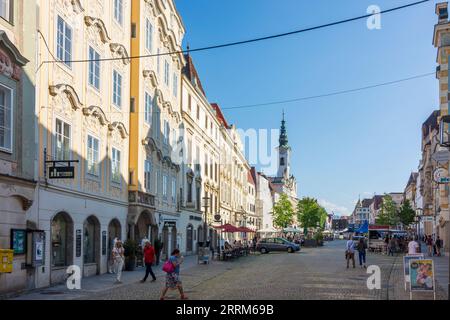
column 388, row 212
column 283, row 213
column 310, row 214
column 406, row 213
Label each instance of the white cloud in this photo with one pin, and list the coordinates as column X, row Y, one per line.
column 332, row 207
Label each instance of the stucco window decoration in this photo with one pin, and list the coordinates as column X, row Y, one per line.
column 96, row 22
column 70, row 93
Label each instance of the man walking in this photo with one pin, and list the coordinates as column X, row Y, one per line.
column 350, row 251
column 413, row 246
column 149, row 258
column 438, row 244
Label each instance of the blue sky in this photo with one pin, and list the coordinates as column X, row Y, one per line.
column 342, row 146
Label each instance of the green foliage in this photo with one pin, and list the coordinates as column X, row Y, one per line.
column 310, row 214
column 388, row 212
column 318, row 236
column 131, row 247
column 283, row 212
column 406, row 213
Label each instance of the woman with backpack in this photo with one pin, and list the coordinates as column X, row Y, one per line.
column 172, row 269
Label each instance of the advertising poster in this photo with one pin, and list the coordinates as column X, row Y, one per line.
column 421, row 275
column 18, row 243
column 406, row 260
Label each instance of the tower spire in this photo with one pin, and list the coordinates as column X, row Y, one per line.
column 283, row 134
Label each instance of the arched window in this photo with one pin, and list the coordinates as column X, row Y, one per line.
column 91, row 239
column 62, row 237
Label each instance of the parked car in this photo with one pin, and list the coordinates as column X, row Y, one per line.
column 276, row 244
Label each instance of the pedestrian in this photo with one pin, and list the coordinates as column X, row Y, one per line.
column 172, row 269
column 158, row 248
column 111, row 264
column 392, row 245
column 386, row 243
column 119, row 260
column 350, row 251
column 362, row 247
column 438, row 244
column 429, row 243
column 149, row 259
column 413, row 246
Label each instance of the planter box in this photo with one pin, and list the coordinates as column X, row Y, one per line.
column 310, row 243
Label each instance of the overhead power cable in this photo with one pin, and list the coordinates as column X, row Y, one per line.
column 335, row 93
column 236, row 43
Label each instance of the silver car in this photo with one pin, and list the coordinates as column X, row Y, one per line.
column 276, row 244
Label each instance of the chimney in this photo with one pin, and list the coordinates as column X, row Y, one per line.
column 442, row 12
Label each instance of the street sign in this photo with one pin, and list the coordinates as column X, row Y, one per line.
column 62, row 172
column 442, row 156
column 440, row 175
column 170, row 223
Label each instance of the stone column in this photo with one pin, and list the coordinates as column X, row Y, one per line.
column 169, row 241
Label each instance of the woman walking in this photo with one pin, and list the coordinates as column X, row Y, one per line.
column 172, row 269
column 361, row 247
column 429, row 243
column 119, row 259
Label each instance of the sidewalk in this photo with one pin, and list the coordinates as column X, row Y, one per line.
column 100, row 283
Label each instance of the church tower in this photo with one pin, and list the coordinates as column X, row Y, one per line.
column 284, row 152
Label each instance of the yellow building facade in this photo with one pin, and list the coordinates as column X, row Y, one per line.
column 155, row 120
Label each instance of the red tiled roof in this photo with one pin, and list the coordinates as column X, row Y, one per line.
column 220, row 115
column 190, row 72
column 250, row 178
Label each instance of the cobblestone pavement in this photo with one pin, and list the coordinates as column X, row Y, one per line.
column 313, row 273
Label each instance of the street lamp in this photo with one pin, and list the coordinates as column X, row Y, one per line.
column 205, row 222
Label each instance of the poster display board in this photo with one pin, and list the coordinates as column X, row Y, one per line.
column 18, row 241
column 406, row 260
column 421, row 276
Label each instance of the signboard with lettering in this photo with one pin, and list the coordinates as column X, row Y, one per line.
column 62, row 172
column 170, row 223
column 78, row 243
column 103, row 243
column 440, row 175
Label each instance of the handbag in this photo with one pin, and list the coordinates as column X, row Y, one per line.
column 168, row 267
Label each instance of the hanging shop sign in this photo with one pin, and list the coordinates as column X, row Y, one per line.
column 440, row 175
column 61, row 172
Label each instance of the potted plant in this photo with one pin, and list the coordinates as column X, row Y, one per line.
column 131, row 248
column 319, row 238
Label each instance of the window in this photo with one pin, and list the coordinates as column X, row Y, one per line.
column 6, row 124
column 148, row 109
column 189, row 102
column 62, row 148
column 158, row 62
column 94, row 68
column 164, row 186
column 93, row 156
column 281, row 161
column 206, row 122
column 118, row 11
column 206, row 165
column 5, row 9
column 198, row 112
column 174, row 190
column 175, row 84
column 174, row 138
column 157, row 175
column 117, row 89
column 189, row 151
column 147, row 174
column 115, row 165
column 64, row 42
column 148, row 35
column 166, row 73
column 166, row 132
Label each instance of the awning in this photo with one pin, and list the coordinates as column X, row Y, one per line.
column 228, row 228
column 293, row 230
column 245, row 229
column 268, row 230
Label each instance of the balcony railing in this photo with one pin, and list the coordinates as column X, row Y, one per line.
column 141, row 198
